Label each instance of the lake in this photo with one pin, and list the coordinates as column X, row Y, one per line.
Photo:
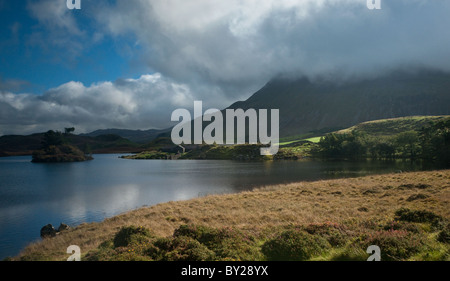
column 33, row 195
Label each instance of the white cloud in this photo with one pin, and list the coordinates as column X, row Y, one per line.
column 54, row 15
column 146, row 102
column 242, row 43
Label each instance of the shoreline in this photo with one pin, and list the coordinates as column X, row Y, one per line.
column 373, row 197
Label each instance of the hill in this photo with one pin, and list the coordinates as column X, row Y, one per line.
column 137, row 136
column 394, row 126
column 26, row 145
column 366, row 138
column 419, row 137
column 307, row 106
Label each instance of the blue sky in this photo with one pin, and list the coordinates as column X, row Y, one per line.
column 130, row 63
column 45, row 67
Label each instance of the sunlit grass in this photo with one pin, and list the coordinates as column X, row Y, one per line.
column 314, row 140
column 268, row 210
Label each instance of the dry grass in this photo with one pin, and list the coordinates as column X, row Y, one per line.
column 342, row 200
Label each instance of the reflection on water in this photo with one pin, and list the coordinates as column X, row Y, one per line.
column 33, row 195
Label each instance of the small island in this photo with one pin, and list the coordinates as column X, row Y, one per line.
column 55, row 148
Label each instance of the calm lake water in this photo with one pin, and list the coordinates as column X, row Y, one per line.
column 33, row 195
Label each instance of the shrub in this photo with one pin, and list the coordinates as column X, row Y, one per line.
column 180, row 248
column 104, row 252
column 294, row 245
column 401, row 225
column 417, row 197
column 368, row 225
column 404, row 214
column 350, row 253
column 394, row 244
column 207, row 235
column 203, row 234
column 226, row 243
column 444, row 235
column 131, row 235
column 334, row 233
column 107, row 252
column 242, row 248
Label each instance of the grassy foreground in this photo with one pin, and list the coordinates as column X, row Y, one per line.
column 405, row 214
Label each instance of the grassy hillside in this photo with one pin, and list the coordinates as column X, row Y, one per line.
column 422, row 137
column 376, row 128
column 405, row 214
column 394, row 126
column 294, row 147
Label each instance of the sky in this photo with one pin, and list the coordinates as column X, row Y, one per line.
column 130, row 63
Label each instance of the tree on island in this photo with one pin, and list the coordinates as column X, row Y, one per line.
column 52, row 138
column 55, row 148
column 69, row 131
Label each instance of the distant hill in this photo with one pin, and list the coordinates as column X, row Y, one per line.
column 20, row 145
column 100, row 141
column 137, row 136
column 26, row 145
column 307, row 106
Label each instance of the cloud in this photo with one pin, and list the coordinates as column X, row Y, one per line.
column 219, row 51
column 13, row 85
column 65, row 34
column 237, row 45
column 146, row 102
column 242, row 43
column 54, row 15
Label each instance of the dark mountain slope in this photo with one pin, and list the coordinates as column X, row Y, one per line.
column 309, row 106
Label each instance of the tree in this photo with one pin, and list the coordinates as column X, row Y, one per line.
column 383, row 150
column 435, row 142
column 352, row 145
column 68, row 131
column 331, row 145
column 87, row 149
column 52, row 138
column 408, row 144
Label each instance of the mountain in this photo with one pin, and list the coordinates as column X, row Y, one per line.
column 137, row 136
column 307, row 105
